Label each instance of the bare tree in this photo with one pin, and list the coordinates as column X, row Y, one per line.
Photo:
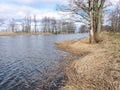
column 44, row 24
column 70, row 27
column 83, row 29
column 27, row 23
column 49, row 25
column 12, row 25
column 54, row 25
column 35, row 23
column 88, row 12
column 23, row 26
column 115, row 18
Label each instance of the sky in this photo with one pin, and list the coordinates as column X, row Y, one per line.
column 18, row 9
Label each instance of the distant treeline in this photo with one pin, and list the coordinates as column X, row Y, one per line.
column 56, row 26
column 29, row 24
column 32, row 24
column 114, row 19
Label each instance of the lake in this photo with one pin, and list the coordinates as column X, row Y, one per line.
column 32, row 62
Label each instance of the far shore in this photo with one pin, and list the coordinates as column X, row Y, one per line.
column 21, row 33
column 29, row 33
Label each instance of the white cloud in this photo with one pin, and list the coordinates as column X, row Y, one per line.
column 18, row 12
column 37, row 2
column 19, row 8
column 114, row 2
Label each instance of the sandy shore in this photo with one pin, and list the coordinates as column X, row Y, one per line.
column 20, row 33
column 98, row 67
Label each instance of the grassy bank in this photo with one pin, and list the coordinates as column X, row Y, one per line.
column 20, row 33
column 99, row 66
column 116, row 36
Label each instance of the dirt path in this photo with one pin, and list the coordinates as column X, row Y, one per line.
column 98, row 69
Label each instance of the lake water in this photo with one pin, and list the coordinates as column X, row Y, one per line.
column 32, row 62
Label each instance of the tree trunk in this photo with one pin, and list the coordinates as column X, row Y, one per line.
column 91, row 31
column 98, row 10
column 98, row 27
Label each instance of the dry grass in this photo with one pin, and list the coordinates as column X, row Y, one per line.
column 75, row 46
column 98, row 69
column 20, row 33
column 7, row 34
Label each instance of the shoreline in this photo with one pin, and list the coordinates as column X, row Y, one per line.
column 97, row 67
column 29, row 33
column 21, row 33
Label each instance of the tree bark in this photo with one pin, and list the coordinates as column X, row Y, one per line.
column 91, row 31
column 98, row 26
column 91, row 22
column 98, row 10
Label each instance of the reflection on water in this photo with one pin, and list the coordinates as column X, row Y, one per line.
column 32, row 62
